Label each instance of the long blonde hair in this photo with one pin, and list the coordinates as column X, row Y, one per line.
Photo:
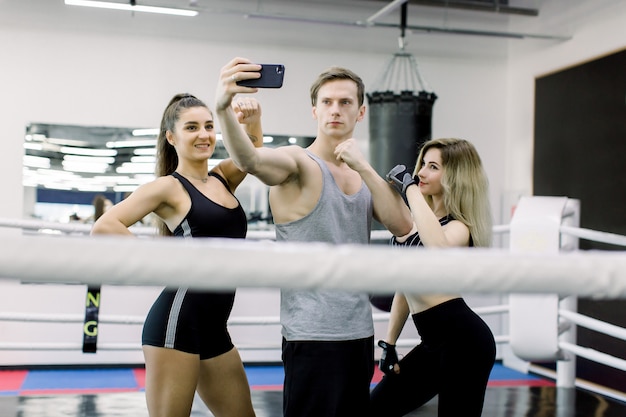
column 465, row 186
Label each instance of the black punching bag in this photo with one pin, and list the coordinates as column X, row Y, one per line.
column 399, row 125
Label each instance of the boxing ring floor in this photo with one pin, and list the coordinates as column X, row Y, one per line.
column 118, row 392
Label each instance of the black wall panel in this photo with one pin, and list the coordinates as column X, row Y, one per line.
column 580, row 152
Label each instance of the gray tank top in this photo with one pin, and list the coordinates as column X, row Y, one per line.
column 328, row 314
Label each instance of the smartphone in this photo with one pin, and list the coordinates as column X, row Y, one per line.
column 271, row 77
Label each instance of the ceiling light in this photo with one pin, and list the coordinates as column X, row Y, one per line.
column 91, row 187
column 88, row 151
column 33, row 146
column 56, row 186
column 56, row 173
column 66, row 142
column 89, row 159
column 131, row 7
column 135, row 168
column 131, row 143
column 145, row 151
column 124, row 188
column 36, row 161
column 150, row 159
column 95, row 168
column 146, row 132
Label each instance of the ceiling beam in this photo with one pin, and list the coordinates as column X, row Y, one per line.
column 493, row 6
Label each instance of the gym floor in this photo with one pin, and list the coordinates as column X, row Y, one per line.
column 118, row 392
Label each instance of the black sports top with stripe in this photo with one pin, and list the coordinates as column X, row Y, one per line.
column 189, row 320
column 207, row 218
column 415, row 240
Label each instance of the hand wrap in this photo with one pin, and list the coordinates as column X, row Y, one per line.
column 400, row 178
column 389, row 357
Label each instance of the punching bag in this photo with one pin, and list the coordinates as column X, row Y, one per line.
column 399, row 123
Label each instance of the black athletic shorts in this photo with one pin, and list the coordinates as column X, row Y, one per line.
column 190, row 321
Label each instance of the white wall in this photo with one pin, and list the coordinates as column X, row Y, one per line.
column 107, row 80
column 93, row 79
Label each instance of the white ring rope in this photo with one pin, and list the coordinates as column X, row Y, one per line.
column 84, row 229
column 227, row 264
column 72, row 228
column 603, row 237
column 233, row 321
column 594, row 355
column 594, row 324
column 44, row 227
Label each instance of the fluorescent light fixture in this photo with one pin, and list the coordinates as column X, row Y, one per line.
column 268, row 139
column 55, row 186
column 33, row 146
column 36, row 161
column 145, row 151
column 89, row 159
column 88, row 152
column 145, row 132
column 56, row 173
column 91, row 187
column 35, row 136
column 66, row 142
column 135, row 168
column 131, row 7
column 109, row 180
column 125, row 188
column 144, row 178
column 95, row 168
column 150, row 159
column 131, row 143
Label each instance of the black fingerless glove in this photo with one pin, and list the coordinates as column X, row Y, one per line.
column 401, row 178
column 389, row 357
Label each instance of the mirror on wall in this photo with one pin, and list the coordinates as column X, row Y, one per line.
column 88, row 158
column 66, row 166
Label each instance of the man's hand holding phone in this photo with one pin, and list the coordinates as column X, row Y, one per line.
column 241, row 76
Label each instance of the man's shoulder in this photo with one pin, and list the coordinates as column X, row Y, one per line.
column 301, row 155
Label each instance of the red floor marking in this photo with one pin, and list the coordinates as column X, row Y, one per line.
column 12, row 380
column 266, row 387
column 378, row 375
column 140, row 377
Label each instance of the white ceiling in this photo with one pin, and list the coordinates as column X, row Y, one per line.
column 335, row 24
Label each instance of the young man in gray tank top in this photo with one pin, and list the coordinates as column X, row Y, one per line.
column 324, row 193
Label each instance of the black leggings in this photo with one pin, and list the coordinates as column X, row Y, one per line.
column 454, row 360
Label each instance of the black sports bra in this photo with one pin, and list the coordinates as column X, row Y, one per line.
column 414, row 239
column 206, row 218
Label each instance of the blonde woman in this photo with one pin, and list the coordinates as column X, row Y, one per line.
column 447, row 195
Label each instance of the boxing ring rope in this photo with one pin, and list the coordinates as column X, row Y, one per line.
column 44, row 227
column 236, row 264
column 595, row 274
column 139, row 320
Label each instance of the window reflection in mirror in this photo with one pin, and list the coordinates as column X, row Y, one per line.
column 67, row 166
